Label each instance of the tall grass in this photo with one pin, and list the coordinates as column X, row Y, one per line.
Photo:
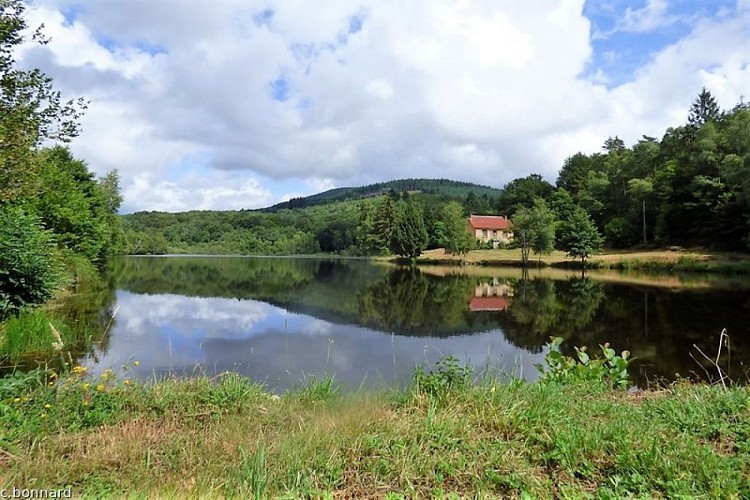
column 108, row 436
column 32, row 334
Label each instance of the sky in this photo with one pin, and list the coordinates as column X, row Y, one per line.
column 240, row 104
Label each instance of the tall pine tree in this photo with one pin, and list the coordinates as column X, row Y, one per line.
column 704, row 109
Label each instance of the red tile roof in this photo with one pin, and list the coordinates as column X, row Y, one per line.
column 489, row 304
column 489, row 222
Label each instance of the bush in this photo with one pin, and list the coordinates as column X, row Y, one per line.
column 447, row 376
column 612, row 369
column 28, row 271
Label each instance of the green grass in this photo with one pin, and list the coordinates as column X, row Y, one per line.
column 31, row 333
column 228, row 437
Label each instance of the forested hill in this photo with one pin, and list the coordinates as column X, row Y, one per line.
column 336, row 221
column 444, row 187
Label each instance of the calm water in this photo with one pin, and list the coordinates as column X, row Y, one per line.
column 283, row 321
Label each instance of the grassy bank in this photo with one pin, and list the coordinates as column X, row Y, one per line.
column 653, row 260
column 227, row 437
column 76, row 318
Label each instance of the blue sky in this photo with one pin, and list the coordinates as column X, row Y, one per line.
column 627, row 34
column 244, row 105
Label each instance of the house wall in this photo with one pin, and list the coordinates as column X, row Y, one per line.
column 485, row 235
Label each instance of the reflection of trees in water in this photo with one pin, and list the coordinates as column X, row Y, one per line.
column 658, row 325
column 214, row 276
column 408, row 301
column 85, row 311
column 544, row 308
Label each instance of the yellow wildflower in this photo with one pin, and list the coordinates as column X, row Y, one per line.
column 136, row 363
column 127, row 382
column 100, row 388
column 48, row 406
column 86, row 385
column 43, row 415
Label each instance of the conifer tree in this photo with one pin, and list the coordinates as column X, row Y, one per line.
column 704, row 109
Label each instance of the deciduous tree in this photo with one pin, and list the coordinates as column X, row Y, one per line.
column 457, row 240
column 580, row 238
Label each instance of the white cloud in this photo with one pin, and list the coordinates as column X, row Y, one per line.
column 473, row 90
column 220, row 191
column 648, row 18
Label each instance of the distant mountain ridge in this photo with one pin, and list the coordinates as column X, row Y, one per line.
column 446, row 187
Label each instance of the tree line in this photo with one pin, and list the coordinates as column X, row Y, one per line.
column 691, row 188
column 56, row 217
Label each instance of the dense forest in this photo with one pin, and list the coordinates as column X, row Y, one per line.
column 57, row 219
column 691, row 188
column 352, row 227
column 445, row 187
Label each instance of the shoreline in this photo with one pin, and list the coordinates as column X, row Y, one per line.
column 227, row 437
column 656, row 260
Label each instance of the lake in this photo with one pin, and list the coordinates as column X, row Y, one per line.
column 285, row 321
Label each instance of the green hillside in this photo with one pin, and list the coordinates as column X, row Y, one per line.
column 443, row 187
column 329, row 222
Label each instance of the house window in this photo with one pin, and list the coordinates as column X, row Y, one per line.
column 484, row 233
column 494, row 235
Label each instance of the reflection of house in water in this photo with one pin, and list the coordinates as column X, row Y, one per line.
column 491, row 296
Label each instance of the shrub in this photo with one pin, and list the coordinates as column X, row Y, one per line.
column 447, row 376
column 28, row 271
column 612, row 369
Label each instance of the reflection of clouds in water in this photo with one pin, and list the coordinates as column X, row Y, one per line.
column 176, row 334
column 139, row 314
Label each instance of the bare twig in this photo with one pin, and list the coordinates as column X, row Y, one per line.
column 723, row 341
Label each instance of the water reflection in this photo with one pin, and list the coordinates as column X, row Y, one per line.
column 284, row 320
column 175, row 334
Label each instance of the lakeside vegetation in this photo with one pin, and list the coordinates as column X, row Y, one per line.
column 572, row 434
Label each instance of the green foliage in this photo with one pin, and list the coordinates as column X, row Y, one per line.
column 253, row 471
column 522, row 192
column 447, row 376
column 30, row 333
column 454, row 190
column 704, row 109
column 534, row 229
column 368, row 241
column 690, row 188
column 30, row 109
column 455, row 237
column 20, row 383
column 409, row 235
column 72, row 204
column 612, row 369
column 28, row 271
column 47, row 197
column 319, row 390
column 579, row 236
column 385, row 222
column 571, row 440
